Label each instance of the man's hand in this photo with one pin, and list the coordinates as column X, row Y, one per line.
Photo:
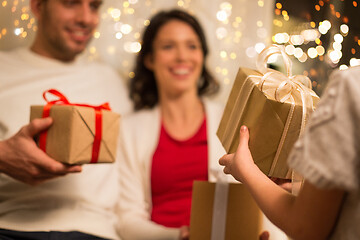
column 21, row 159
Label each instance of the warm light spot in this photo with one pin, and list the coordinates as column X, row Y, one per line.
column 353, row 51
column 146, row 22
column 317, row 7
column 4, row 3
column 321, row 3
column 312, row 52
column 278, row 5
column 284, row 13
column 24, row 16
column 277, row 11
column 313, row 72
column 92, row 50
column 126, row 4
column 96, row 34
column 320, row 50
column 16, row 23
column 130, row 11
column 318, row 41
column 337, row 14
column 131, row 74
column 344, row 29
column 355, row 3
column 332, row 7
column 3, row 31
column 343, row 67
column 180, row 3
column 345, row 19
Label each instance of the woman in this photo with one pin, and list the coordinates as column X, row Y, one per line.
column 171, row 140
column 327, row 155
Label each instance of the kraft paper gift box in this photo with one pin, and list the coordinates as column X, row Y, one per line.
column 257, row 101
column 242, row 218
column 71, row 136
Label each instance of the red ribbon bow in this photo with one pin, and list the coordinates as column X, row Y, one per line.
column 62, row 100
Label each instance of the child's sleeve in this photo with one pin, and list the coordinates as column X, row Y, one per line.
column 327, row 155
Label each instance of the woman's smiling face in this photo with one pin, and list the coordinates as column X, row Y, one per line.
column 177, row 58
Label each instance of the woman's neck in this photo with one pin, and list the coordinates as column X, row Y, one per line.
column 182, row 116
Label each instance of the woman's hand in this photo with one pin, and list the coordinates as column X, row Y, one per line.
column 184, row 233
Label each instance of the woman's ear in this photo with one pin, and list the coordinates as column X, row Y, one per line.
column 148, row 61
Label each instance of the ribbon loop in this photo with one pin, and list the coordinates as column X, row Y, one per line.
column 61, row 97
column 62, row 100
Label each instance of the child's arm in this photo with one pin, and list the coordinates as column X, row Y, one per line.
column 311, row 215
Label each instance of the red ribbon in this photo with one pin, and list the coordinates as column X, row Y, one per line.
column 62, row 100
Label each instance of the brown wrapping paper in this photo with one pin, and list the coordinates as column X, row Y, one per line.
column 266, row 118
column 243, row 217
column 71, row 136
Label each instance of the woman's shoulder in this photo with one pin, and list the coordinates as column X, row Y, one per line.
column 213, row 107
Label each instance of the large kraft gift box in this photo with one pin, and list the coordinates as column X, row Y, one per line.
column 274, row 124
column 243, row 217
column 71, row 136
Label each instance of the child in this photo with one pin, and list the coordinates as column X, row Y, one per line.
column 327, row 155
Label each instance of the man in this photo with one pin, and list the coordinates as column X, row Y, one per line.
column 41, row 198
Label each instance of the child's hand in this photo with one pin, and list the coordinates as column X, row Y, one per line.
column 238, row 162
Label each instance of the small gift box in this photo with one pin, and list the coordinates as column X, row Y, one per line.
column 274, row 106
column 223, row 211
column 80, row 133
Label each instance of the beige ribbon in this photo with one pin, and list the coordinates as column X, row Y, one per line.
column 284, row 88
column 218, row 225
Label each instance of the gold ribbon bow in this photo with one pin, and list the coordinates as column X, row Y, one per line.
column 284, row 88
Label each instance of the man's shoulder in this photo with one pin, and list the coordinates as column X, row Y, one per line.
column 7, row 55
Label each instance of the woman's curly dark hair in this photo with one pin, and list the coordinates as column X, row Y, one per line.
column 143, row 89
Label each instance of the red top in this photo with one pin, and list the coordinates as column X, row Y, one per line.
column 176, row 164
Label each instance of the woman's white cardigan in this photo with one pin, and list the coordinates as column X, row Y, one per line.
column 139, row 138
